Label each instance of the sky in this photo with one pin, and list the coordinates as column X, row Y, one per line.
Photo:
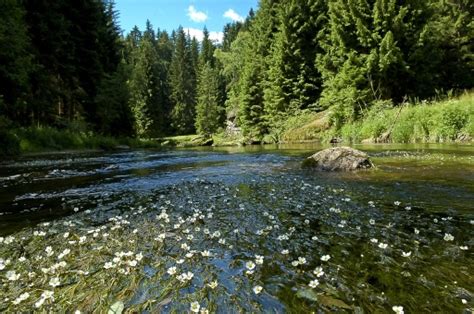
column 192, row 15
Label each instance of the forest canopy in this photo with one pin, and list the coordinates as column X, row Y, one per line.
column 67, row 64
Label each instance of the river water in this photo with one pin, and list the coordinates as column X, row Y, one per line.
column 239, row 230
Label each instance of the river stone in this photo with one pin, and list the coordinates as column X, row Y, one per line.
column 339, row 159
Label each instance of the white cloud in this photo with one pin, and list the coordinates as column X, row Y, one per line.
column 234, row 16
column 214, row 36
column 195, row 15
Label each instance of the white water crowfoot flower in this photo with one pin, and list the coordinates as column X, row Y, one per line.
column 21, row 298
column 54, row 282
column 383, row 245
column 406, row 254
column 285, row 252
column 318, row 271
column 44, row 296
column 171, row 270
column 250, row 265
column 213, row 284
column 396, row 203
column 49, row 251
column 195, row 307
column 448, row 237
column 464, row 248
column 206, row 253
column 257, row 289
column 185, row 276
column 325, row 258
column 12, row 275
column 398, row 309
column 259, row 259
column 313, row 283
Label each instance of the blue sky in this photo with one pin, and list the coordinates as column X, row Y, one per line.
column 193, row 15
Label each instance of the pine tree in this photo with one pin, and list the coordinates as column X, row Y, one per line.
column 208, row 109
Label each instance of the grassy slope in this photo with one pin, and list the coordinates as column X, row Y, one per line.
column 442, row 121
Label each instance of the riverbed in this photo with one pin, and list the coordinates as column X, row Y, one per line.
column 238, row 229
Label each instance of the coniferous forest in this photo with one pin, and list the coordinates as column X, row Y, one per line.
column 67, row 65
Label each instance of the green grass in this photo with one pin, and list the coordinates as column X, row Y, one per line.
column 44, row 139
column 425, row 122
column 419, row 122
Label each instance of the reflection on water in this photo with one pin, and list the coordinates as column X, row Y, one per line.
column 362, row 241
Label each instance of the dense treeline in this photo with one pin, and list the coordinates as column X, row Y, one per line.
column 66, row 64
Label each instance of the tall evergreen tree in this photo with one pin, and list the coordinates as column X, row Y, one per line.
column 208, row 110
column 293, row 81
column 182, row 85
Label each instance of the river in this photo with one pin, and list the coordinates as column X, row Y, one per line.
column 238, row 229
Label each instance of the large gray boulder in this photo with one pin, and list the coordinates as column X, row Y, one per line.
column 339, row 159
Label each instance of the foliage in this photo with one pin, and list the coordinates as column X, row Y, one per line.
column 208, row 110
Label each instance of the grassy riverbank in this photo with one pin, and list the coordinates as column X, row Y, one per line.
column 417, row 122
column 47, row 139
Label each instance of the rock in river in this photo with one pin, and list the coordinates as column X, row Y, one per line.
column 339, row 159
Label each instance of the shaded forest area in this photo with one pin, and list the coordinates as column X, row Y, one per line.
column 67, row 65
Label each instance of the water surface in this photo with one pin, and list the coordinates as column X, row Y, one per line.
column 400, row 235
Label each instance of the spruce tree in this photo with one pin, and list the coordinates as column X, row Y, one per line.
column 208, row 109
column 182, row 86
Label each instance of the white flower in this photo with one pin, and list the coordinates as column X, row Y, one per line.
column 250, row 265
column 185, row 247
column 448, row 237
column 406, row 254
column 66, row 235
column 318, row 271
column 109, row 265
column 22, row 259
column 139, row 257
column 295, row 263
column 313, row 283
column 259, row 259
column 383, row 245
column 132, row 263
column 54, row 282
column 464, row 248
column 221, row 241
column 314, row 238
column 285, row 252
column 213, row 284
column 306, row 221
column 49, row 251
column 64, row 253
column 373, row 240
column 82, row 239
column 206, row 253
column 12, row 275
column 372, row 221
column 398, row 309
column 397, row 203
column 195, row 307
column 21, row 298
column 301, row 260
column 417, row 231
column 171, row 270
column 464, row 301
column 325, row 258
column 257, row 289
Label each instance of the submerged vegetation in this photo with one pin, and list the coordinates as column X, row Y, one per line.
column 282, row 243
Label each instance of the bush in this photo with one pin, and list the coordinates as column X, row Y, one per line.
column 452, row 121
